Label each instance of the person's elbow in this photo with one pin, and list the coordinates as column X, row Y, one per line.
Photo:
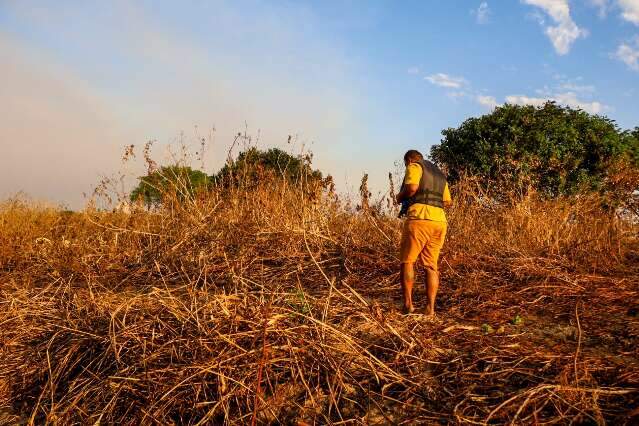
column 411, row 190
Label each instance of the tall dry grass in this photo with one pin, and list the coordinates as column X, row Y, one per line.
column 279, row 304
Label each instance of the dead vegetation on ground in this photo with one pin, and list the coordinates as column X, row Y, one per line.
column 281, row 306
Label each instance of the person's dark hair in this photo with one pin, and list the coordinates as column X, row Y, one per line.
column 413, row 155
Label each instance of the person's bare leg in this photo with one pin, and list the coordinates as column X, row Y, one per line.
column 408, row 279
column 432, row 285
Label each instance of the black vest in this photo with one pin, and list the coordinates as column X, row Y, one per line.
column 431, row 186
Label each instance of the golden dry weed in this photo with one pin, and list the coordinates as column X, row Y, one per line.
column 279, row 304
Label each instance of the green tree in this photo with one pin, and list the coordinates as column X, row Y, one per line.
column 252, row 165
column 633, row 145
column 180, row 181
column 556, row 150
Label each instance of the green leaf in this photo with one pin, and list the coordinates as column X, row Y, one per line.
column 487, row 329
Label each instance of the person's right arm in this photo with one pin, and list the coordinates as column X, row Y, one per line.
column 408, row 190
column 411, row 183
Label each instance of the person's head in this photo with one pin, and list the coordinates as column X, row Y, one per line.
column 412, row 156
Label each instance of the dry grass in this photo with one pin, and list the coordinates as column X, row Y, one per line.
column 267, row 306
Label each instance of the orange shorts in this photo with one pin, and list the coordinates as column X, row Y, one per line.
column 423, row 239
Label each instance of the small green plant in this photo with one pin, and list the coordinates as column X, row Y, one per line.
column 487, row 329
column 517, row 320
column 299, row 302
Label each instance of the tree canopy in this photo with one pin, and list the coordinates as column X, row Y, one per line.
column 555, row 149
column 250, row 168
column 253, row 163
column 182, row 181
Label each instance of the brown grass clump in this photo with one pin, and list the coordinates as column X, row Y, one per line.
column 280, row 305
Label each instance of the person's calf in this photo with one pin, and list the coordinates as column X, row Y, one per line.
column 407, row 289
column 432, row 285
column 407, row 279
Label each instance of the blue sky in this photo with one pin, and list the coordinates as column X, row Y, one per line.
column 358, row 82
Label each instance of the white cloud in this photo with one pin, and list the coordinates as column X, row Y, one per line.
column 578, row 88
column 601, row 5
column 629, row 10
column 537, row 16
column 570, row 99
column 567, row 98
column 566, row 84
column 457, row 95
column 487, row 101
column 566, row 32
column 482, row 13
column 567, row 91
column 525, row 100
column 628, row 53
column 413, row 70
column 445, row 80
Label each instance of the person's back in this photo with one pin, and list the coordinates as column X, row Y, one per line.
column 432, row 191
column 426, row 191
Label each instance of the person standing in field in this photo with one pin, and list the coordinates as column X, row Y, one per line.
column 426, row 191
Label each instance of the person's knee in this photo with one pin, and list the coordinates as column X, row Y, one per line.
column 431, row 269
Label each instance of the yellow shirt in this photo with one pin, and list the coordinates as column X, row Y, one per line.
column 424, row 211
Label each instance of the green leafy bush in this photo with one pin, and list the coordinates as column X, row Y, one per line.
column 554, row 149
column 252, row 164
column 182, row 181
